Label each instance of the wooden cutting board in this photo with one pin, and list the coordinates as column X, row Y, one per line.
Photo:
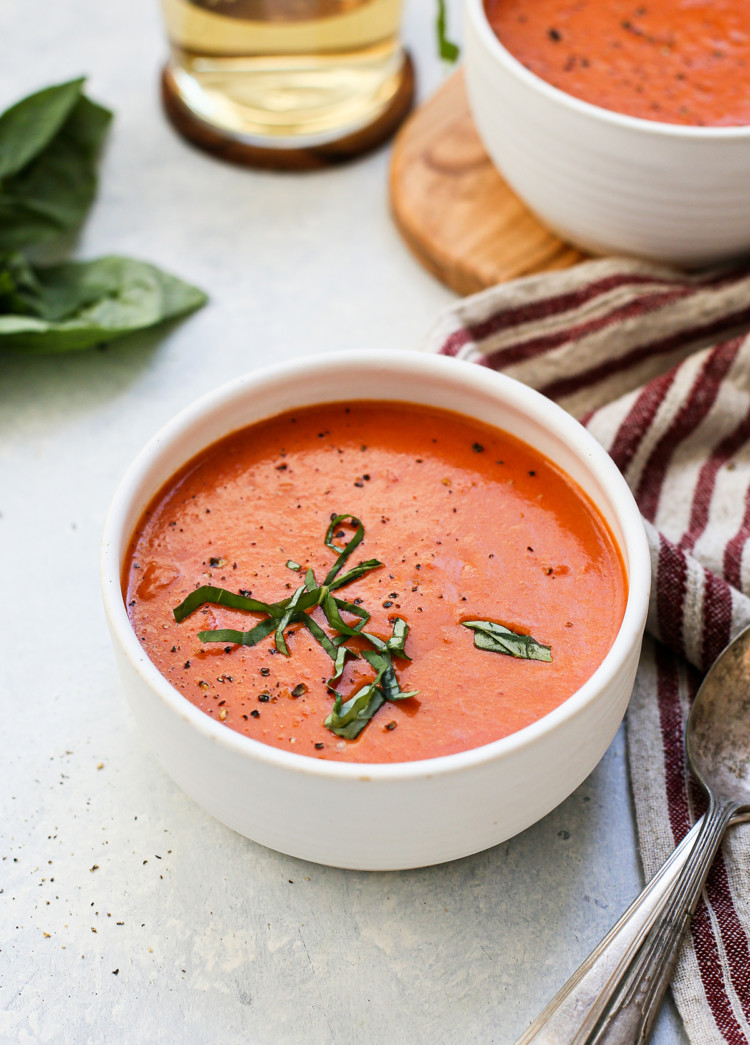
column 453, row 208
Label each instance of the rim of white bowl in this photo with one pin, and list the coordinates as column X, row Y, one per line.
column 476, row 11
column 532, row 404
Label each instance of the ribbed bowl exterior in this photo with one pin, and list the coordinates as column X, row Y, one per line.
column 605, row 182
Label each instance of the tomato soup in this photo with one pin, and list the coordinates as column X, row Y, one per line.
column 436, row 535
column 676, row 61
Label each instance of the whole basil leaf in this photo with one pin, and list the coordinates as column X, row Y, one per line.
column 28, row 126
column 493, row 637
column 19, row 287
column 49, row 147
column 80, row 304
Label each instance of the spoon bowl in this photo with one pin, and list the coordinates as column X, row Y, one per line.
column 718, row 729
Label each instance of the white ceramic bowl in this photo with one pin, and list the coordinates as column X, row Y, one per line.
column 405, row 814
column 606, row 182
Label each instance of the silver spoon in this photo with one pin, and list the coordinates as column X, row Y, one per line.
column 614, row 995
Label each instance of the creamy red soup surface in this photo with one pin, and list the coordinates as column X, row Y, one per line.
column 457, row 524
column 675, row 61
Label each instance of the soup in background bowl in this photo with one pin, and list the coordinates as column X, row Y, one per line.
column 545, row 94
column 675, row 61
column 470, row 545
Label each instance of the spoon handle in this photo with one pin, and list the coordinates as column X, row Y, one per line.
column 632, row 1006
column 572, row 1014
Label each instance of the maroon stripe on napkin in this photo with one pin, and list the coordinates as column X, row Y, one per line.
column 526, row 350
column 712, row 976
column 717, row 618
column 557, row 304
column 734, row 548
column 704, row 488
column 639, row 419
column 455, row 342
column 683, row 338
column 670, row 722
column 733, row 936
column 507, row 318
column 546, row 342
column 544, row 308
column 670, row 586
column 703, row 393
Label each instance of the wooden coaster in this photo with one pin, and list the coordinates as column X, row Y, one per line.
column 223, row 145
column 453, row 208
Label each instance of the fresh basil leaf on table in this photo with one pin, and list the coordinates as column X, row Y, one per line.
column 49, row 147
column 79, row 304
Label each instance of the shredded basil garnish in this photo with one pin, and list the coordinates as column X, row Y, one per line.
column 330, row 608
column 496, row 639
column 348, row 718
column 396, row 642
column 320, row 636
column 352, row 607
column 383, row 664
column 346, row 551
column 241, row 638
column 353, row 574
column 288, row 617
column 339, row 662
column 221, row 597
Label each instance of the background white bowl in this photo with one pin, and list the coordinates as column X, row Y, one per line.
column 607, row 182
column 379, row 816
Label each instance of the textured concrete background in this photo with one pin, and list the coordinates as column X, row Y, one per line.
column 126, row 913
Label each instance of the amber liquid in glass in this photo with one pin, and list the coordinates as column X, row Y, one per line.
column 285, row 72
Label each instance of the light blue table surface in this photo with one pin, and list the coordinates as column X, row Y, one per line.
column 126, row 913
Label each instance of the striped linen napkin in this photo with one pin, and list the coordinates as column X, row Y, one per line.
column 657, row 365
